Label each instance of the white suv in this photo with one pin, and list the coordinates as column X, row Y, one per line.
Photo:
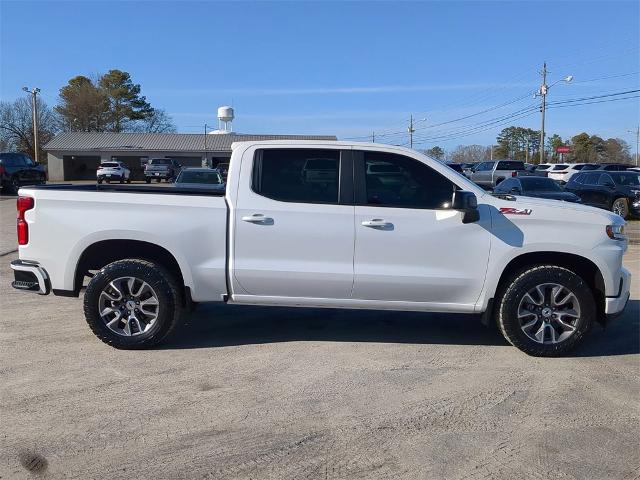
column 113, row 171
column 563, row 172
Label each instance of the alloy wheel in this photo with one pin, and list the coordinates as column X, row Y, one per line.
column 128, row 306
column 549, row 313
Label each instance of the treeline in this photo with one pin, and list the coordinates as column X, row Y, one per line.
column 519, row 143
column 111, row 102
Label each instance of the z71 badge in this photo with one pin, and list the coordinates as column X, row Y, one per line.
column 516, row 211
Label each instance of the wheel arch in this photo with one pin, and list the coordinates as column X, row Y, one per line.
column 578, row 264
column 103, row 252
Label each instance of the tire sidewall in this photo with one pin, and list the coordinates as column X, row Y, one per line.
column 523, row 283
column 625, row 206
column 157, row 278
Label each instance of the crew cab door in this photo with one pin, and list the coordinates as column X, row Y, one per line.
column 409, row 245
column 483, row 174
column 293, row 224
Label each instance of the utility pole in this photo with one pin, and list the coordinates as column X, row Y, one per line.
column 373, row 137
column 206, row 162
column 637, row 132
column 543, row 106
column 411, row 130
column 34, row 114
column 491, row 153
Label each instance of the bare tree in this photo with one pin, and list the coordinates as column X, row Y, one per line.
column 158, row 122
column 16, row 125
column 469, row 153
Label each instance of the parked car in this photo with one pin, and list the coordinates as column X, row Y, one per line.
column 455, row 166
column 562, row 172
column 490, row 174
column 542, row 169
column 541, row 187
column 17, row 169
column 612, row 190
column 203, row 178
column 543, row 270
column 159, row 169
column 118, row 171
column 467, row 168
column 612, row 167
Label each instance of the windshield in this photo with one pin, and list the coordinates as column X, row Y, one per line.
column 160, row 161
column 626, row 178
column 560, row 167
column 211, row 178
column 539, row 184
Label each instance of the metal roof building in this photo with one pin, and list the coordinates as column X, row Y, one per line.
column 77, row 155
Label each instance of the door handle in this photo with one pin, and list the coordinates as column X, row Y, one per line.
column 257, row 218
column 376, row 223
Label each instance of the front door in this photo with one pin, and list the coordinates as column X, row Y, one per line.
column 293, row 234
column 409, row 245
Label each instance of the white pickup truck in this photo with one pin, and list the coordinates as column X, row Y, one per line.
column 382, row 228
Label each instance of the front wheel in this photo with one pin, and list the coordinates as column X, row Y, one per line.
column 147, row 179
column 621, row 207
column 545, row 310
column 132, row 304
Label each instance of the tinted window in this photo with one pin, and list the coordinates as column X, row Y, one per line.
column 16, row 160
column 578, row 178
column 614, row 168
column 291, row 175
column 192, row 176
column 484, row 166
column 579, row 167
column 109, row 165
column 160, row 161
column 589, row 167
column 591, row 178
column 404, row 183
column 626, row 178
column 509, row 165
column 605, row 179
column 539, row 184
column 560, row 167
column 543, row 166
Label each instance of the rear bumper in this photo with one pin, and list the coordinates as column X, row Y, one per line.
column 614, row 306
column 30, row 277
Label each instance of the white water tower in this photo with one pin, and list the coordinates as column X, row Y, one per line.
column 225, row 119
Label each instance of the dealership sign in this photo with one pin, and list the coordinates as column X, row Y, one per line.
column 563, row 149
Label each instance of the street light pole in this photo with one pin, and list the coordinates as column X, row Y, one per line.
column 34, row 117
column 637, row 132
column 411, row 130
column 544, row 89
column 543, row 94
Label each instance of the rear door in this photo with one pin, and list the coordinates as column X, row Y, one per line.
column 483, row 174
column 409, row 245
column 293, row 224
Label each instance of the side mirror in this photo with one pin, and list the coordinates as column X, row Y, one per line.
column 467, row 204
column 516, row 191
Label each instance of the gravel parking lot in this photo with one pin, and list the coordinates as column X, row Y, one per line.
column 275, row 393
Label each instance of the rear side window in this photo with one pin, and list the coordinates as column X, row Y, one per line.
column 605, row 179
column 509, row 165
column 397, row 181
column 589, row 167
column 297, row 175
column 591, row 179
column 579, row 167
column 579, row 179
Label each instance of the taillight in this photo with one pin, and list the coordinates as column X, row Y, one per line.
column 2, row 170
column 23, row 204
column 514, row 174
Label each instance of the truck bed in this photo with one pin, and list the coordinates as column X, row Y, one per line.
column 115, row 187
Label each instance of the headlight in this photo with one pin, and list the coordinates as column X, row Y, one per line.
column 635, row 192
column 616, row 232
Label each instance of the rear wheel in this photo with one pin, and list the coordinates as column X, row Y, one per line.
column 620, row 207
column 132, row 304
column 122, row 180
column 158, row 180
column 147, row 179
column 14, row 185
column 99, row 180
column 545, row 310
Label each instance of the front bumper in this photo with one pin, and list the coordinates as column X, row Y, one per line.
column 30, row 277
column 614, row 306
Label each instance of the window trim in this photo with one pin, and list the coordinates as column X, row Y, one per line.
column 343, row 161
column 360, row 182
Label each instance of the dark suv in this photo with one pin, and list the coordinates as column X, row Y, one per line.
column 161, row 169
column 17, row 169
column 615, row 191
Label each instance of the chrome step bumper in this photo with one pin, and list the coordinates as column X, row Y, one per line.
column 30, row 277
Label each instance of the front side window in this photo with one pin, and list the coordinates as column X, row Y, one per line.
column 605, row 179
column 297, row 175
column 484, row 167
column 540, row 184
column 397, row 181
column 591, row 179
column 506, row 185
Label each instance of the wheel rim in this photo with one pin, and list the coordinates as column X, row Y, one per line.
column 549, row 313
column 128, row 306
column 618, row 208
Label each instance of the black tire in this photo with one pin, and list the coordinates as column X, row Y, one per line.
column 621, row 207
column 129, row 180
column 147, row 179
column 158, row 180
column 14, row 185
column 99, row 180
column 167, row 293
column 122, row 180
column 519, row 284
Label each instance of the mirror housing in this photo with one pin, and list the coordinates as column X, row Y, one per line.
column 467, row 204
column 516, row 191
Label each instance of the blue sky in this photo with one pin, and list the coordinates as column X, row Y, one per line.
column 344, row 68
